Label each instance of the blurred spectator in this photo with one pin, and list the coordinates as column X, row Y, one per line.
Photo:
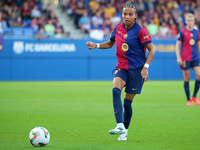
column 34, row 24
column 173, row 29
column 95, row 25
column 109, row 11
column 59, row 28
column 156, row 19
column 164, row 29
column 47, row 11
column 97, row 19
column 3, row 25
column 6, row 11
column 152, row 28
column 49, row 27
column 26, row 11
column 41, row 34
column 10, row 3
column 102, row 4
column 53, row 17
column 35, row 12
column 72, row 6
column 84, row 22
column 115, row 19
column 42, row 21
column 59, row 31
column 93, row 5
column 13, row 21
column 16, row 10
column 78, row 12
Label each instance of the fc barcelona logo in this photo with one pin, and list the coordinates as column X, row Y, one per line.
column 125, row 36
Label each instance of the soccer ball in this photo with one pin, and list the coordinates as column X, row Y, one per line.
column 39, row 136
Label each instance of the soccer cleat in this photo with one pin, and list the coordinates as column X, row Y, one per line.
column 123, row 137
column 190, row 103
column 117, row 130
column 196, row 100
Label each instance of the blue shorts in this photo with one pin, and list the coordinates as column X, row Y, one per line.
column 133, row 79
column 189, row 64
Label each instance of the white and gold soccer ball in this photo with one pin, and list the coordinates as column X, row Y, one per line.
column 39, row 136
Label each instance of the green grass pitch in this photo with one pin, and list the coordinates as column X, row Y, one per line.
column 79, row 115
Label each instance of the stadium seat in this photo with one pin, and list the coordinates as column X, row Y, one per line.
column 28, row 31
column 17, row 31
column 27, row 22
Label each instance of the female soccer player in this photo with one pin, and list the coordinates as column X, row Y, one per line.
column 132, row 68
column 189, row 37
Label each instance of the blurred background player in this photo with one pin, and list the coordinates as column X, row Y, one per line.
column 189, row 37
column 132, row 68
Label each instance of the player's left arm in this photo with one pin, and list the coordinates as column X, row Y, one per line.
column 198, row 42
column 144, row 72
column 198, row 46
column 145, row 40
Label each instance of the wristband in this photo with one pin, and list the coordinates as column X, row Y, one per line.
column 146, row 65
column 98, row 45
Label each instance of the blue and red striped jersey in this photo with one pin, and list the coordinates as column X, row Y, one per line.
column 130, row 46
column 189, row 41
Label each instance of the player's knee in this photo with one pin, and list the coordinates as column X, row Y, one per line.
column 116, row 91
column 198, row 76
column 186, row 78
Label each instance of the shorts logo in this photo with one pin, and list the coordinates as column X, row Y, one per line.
column 125, row 36
column 178, row 36
column 134, row 89
column 116, row 71
column 192, row 42
column 184, row 64
column 125, row 47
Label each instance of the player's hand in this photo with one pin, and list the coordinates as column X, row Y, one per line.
column 91, row 45
column 179, row 61
column 144, row 73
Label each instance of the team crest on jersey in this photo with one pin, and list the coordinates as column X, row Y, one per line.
column 191, row 35
column 192, row 42
column 125, row 36
column 125, row 47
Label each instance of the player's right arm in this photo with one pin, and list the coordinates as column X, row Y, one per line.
column 104, row 45
column 179, row 60
column 177, row 48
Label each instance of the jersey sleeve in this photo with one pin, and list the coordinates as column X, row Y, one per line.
column 112, row 37
column 198, row 39
column 180, row 36
column 144, row 37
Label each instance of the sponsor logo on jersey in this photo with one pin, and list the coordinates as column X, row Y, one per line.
column 192, row 42
column 125, row 47
column 146, row 37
